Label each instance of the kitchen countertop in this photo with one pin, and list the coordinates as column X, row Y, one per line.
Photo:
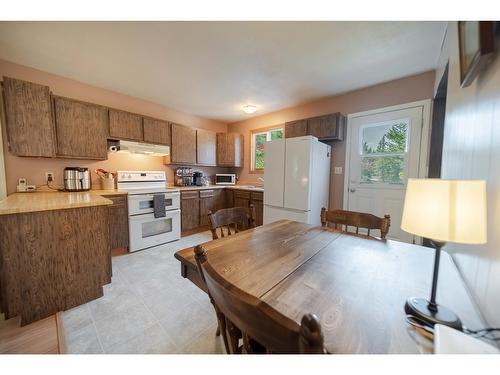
column 234, row 187
column 46, row 201
column 108, row 192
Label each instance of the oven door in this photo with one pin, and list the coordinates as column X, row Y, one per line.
column 143, row 203
column 147, row 231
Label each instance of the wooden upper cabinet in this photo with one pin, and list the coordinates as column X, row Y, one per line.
column 30, row 126
column 328, row 127
column 296, row 128
column 81, row 129
column 156, row 131
column 229, row 149
column 183, row 149
column 125, row 125
column 206, row 147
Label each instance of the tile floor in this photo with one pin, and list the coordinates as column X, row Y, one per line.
column 148, row 308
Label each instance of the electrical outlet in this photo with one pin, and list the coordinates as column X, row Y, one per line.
column 338, row 170
column 49, row 177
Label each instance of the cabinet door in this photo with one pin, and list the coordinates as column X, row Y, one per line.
column 156, row 131
column 228, row 198
column 225, row 149
column 125, row 125
column 81, row 129
column 206, row 147
column 238, row 150
column 327, row 127
column 296, row 128
column 190, row 210
column 183, row 145
column 208, row 203
column 241, row 198
column 257, row 198
column 28, row 110
column 230, row 149
column 118, row 222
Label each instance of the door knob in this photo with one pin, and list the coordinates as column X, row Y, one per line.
column 352, row 190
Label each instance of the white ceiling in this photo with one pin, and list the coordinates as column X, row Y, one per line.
column 211, row 69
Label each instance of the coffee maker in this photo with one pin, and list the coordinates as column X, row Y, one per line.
column 183, row 176
column 199, row 179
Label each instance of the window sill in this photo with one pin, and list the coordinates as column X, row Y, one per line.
column 257, row 171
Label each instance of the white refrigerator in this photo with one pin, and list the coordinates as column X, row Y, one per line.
column 296, row 179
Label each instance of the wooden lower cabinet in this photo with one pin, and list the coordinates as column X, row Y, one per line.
column 257, row 199
column 118, row 221
column 195, row 205
column 190, row 210
column 210, row 201
column 241, row 198
column 60, row 261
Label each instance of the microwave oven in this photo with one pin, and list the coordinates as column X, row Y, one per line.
column 225, row 179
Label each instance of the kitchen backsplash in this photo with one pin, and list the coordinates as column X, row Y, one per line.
column 34, row 168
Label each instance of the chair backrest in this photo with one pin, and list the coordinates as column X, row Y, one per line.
column 236, row 219
column 356, row 219
column 255, row 318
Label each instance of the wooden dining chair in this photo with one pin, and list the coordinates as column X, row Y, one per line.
column 236, row 219
column 356, row 219
column 257, row 324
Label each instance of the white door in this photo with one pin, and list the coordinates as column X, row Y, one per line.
column 384, row 153
column 297, row 173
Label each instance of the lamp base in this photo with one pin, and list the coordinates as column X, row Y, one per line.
column 419, row 307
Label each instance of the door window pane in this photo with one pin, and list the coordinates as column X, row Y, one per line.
column 383, row 151
column 156, row 227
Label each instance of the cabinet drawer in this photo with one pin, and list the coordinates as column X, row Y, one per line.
column 189, row 195
column 257, row 196
column 207, row 193
column 242, row 194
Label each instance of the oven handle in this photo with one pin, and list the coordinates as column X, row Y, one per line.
column 141, row 197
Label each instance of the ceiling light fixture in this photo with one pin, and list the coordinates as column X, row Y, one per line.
column 249, row 109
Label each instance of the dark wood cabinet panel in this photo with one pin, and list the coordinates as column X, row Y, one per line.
column 209, row 202
column 81, row 129
column 65, row 267
column 328, row 127
column 228, row 198
column 156, row 131
column 206, row 147
column 296, row 128
column 190, row 210
column 183, row 149
column 125, row 125
column 28, row 111
column 230, row 149
column 257, row 199
column 241, row 198
column 118, row 221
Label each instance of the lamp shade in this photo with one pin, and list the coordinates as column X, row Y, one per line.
column 446, row 210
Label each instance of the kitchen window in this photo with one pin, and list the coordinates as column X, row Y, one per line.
column 259, row 139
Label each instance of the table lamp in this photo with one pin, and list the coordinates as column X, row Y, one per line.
column 443, row 211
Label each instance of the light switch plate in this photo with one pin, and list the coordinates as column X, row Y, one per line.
column 338, row 170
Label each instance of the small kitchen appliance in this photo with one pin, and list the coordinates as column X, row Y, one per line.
column 198, row 178
column 76, row 179
column 225, row 179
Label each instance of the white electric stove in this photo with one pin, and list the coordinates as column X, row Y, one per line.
column 146, row 230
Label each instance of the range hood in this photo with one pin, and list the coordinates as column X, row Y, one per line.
column 143, row 148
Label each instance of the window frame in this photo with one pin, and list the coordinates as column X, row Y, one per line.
column 267, row 130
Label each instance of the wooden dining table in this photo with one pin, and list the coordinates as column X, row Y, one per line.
column 357, row 286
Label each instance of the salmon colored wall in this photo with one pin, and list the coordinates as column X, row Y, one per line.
column 34, row 168
column 405, row 90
